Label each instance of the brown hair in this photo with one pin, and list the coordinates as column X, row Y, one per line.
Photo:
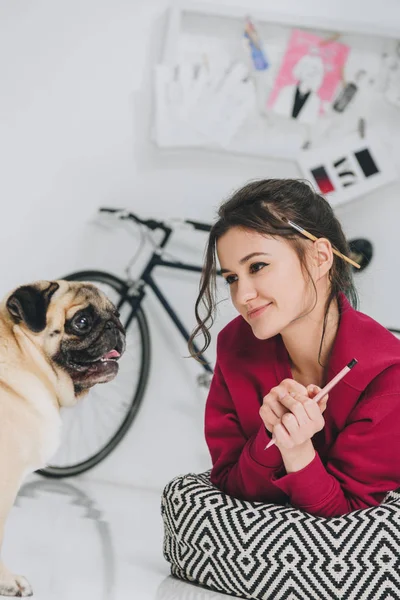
column 263, row 206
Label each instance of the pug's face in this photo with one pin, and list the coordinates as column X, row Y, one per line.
column 75, row 325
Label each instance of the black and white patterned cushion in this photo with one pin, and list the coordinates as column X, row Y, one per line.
column 270, row 552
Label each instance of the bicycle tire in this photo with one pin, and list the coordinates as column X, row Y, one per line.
column 121, row 288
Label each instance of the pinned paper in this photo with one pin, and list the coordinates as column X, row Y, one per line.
column 348, row 168
column 309, row 76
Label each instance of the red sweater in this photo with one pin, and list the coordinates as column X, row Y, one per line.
column 357, row 453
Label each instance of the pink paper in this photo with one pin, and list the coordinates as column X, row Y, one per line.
column 308, row 79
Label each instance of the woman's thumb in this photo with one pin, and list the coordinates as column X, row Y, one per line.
column 313, row 390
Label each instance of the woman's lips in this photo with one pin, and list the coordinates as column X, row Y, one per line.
column 257, row 311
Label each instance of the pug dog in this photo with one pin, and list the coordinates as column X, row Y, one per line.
column 57, row 340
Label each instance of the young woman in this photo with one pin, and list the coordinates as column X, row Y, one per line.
column 297, row 328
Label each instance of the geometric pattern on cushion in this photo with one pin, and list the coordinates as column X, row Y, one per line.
column 273, row 552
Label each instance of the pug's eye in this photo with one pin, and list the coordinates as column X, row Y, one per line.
column 82, row 323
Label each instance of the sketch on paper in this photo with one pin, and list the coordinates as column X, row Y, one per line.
column 309, row 76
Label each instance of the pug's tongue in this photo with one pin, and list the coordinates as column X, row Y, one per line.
column 111, row 354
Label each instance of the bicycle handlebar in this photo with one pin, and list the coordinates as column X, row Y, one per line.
column 152, row 223
column 198, row 225
column 124, row 214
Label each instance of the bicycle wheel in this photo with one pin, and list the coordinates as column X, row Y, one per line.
column 97, row 423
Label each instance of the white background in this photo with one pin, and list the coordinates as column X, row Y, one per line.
column 75, row 112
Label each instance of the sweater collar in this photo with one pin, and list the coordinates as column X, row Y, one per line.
column 358, row 336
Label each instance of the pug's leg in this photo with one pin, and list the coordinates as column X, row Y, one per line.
column 10, row 584
column 13, row 585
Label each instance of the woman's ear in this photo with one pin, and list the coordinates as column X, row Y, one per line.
column 323, row 256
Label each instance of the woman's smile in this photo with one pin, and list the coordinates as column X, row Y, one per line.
column 258, row 311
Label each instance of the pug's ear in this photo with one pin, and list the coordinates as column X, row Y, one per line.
column 29, row 304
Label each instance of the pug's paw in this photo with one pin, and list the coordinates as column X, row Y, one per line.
column 14, row 585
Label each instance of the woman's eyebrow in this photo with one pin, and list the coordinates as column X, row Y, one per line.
column 246, row 258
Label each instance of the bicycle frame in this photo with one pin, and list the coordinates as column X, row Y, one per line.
column 137, row 292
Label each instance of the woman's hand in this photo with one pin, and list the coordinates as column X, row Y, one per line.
column 277, row 403
column 302, row 419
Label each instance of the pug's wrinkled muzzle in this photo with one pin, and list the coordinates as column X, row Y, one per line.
column 98, row 362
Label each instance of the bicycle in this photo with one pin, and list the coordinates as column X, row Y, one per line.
column 128, row 296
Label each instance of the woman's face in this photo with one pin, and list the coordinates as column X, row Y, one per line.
column 267, row 284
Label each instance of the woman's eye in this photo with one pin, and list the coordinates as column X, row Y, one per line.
column 257, row 267
column 230, row 279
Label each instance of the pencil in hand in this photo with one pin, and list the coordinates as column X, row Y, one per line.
column 327, row 388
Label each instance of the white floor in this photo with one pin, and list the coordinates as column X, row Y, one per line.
column 82, row 540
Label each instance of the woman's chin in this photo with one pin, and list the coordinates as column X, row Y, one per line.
column 263, row 333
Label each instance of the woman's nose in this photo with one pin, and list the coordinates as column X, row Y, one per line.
column 245, row 292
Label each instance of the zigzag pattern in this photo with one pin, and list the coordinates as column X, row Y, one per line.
column 270, row 552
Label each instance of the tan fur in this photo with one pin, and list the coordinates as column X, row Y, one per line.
column 32, row 390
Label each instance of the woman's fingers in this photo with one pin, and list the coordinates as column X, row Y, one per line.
column 279, row 401
column 271, row 412
column 272, row 409
column 313, row 390
column 288, row 386
column 300, row 423
column 295, row 408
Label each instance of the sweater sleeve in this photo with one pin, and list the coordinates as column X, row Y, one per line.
column 241, row 466
column 362, row 466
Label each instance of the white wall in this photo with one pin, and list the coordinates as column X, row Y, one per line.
column 74, row 115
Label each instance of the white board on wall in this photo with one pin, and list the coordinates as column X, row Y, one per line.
column 197, row 29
